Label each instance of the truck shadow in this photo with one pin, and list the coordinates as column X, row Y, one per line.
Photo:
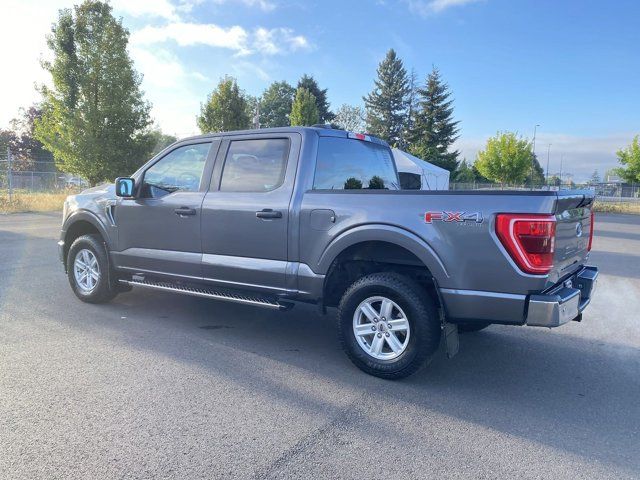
column 567, row 392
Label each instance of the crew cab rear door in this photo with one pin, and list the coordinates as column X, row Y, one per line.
column 245, row 213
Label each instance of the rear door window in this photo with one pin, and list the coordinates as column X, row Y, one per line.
column 347, row 164
column 255, row 165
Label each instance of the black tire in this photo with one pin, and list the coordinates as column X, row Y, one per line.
column 472, row 327
column 420, row 310
column 105, row 288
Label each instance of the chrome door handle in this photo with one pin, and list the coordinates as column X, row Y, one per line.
column 185, row 211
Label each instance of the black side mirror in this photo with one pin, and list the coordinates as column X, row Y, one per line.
column 125, row 187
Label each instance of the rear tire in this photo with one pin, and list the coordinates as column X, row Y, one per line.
column 398, row 346
column 89, row 271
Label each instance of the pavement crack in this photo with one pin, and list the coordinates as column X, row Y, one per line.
column 345, row 416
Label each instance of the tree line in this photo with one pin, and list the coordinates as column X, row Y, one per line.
column 96, row 124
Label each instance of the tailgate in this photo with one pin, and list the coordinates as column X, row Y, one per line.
column 573, row 216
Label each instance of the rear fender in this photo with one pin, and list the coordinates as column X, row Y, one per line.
column 383, row 233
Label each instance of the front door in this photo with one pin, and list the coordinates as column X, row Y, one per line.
column 159, row 230
column 245, row 214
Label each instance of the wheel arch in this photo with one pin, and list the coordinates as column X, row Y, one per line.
column 373, row 248
column 81, row 223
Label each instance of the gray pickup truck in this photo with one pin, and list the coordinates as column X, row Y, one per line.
column 278, row 216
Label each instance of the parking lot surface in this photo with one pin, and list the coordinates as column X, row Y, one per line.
column 159, row 385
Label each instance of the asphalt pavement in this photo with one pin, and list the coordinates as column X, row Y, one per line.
column 158, row 385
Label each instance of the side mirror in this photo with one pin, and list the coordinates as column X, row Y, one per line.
column 125, row 187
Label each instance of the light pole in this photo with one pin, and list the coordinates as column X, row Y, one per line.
column 561, row 159
column 548, row 153
column 534, row 153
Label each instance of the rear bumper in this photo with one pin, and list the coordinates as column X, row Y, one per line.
column 564, row 302
column 558, row 305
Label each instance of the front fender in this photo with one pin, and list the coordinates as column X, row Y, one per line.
column 384, row 233
column 89, row 217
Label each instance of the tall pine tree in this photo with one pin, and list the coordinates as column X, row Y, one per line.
column 386, row 105
column 309, row 83
column 434, row 130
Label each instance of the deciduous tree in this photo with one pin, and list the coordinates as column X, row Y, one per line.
column 505, row 159
column 275, row 105
column 350, row 118
column 227, row 108
column 94, row 117
column 630, row 158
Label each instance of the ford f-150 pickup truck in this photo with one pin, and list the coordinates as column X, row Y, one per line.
column 278, row 216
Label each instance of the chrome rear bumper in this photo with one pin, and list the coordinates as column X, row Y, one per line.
column 564, row 302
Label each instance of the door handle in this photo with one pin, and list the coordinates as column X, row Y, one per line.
column 268, row 213
column 184, row 211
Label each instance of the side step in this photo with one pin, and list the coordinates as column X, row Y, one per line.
column 209, row 292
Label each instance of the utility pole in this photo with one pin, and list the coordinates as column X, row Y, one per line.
column 9, row 179
column 561, row 159
column 534, row 153
column 548, row 153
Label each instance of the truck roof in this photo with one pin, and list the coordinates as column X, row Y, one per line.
column 321, row 131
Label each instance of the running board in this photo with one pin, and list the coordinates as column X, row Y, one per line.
column 208, row 292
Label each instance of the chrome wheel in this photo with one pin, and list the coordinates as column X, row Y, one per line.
column 381, row 328
column 86, row 270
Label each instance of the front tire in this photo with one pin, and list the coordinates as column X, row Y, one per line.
column 88, row 270
column 388, row 325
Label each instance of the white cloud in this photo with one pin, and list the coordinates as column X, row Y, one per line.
column 146, row 8
column 265, row 41
column 429, row 7
column 580, row 155
column 264, row 5
column 186, row 34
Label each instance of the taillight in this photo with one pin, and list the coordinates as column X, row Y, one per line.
column 593, row 217
column 529, row 239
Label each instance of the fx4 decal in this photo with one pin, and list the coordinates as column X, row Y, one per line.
column 430, row 217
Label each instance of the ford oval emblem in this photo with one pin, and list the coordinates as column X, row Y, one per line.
column 578, row 230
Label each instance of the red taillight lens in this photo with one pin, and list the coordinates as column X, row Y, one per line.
column 529, row 239
column 593, row 217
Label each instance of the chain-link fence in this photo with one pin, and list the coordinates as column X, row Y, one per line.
column 33, row 175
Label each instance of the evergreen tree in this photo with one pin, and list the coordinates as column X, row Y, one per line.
column 94, row 119
column 304, row 111
column 275, row 105
column 464, row 173
column 386, row 105
column 324, row 114
column 538, row 172
column 226, row 108
column 434, row 130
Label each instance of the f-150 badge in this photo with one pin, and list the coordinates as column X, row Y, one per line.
column 459, row 217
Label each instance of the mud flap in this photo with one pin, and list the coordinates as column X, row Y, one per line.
column 451, row 339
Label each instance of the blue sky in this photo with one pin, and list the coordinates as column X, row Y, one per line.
column 570, row 66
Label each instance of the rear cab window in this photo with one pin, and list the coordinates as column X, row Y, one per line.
column 255, row 165
column 349, row 164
